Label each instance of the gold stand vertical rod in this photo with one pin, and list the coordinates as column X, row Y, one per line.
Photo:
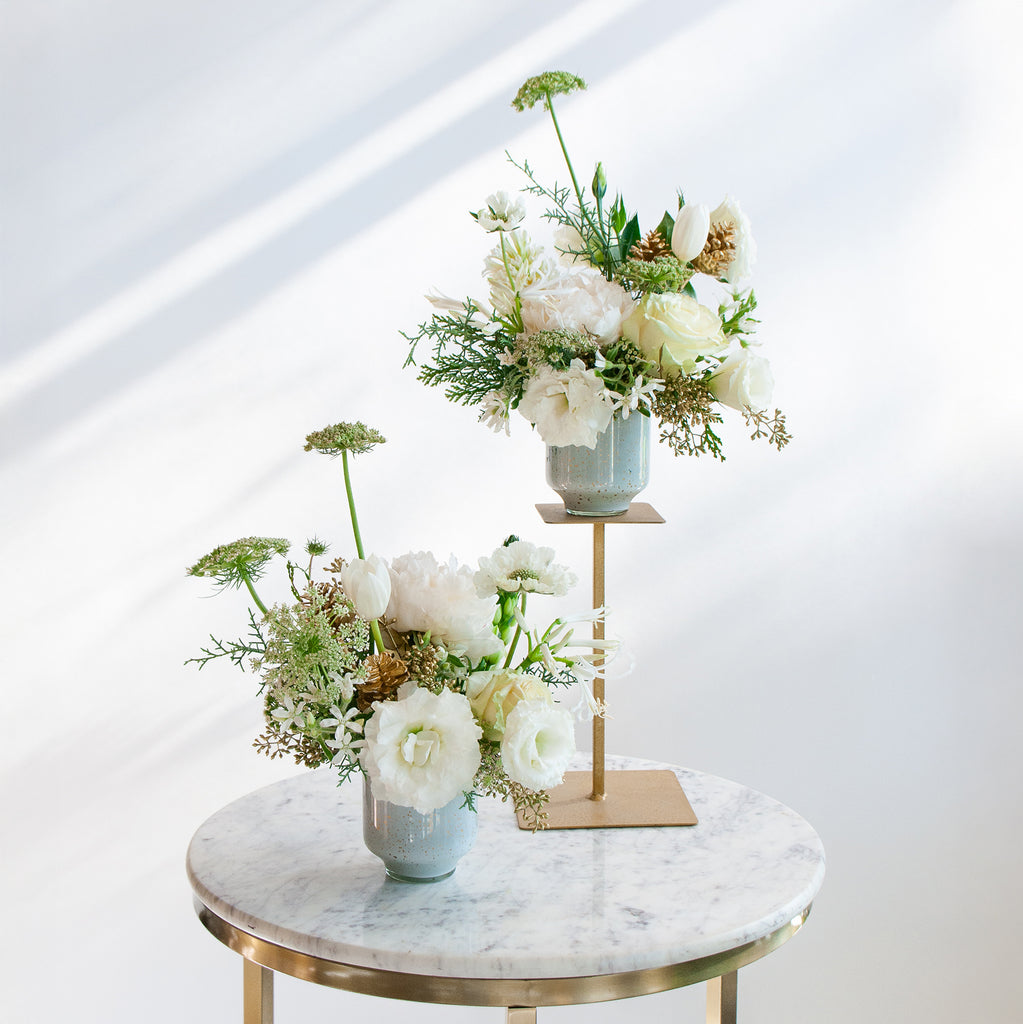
column 599, row 792
column 258, row 993
column 722, row 999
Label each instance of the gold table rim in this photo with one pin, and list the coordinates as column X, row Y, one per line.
column 423, row 988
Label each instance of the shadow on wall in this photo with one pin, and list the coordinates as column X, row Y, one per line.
column 181, row 316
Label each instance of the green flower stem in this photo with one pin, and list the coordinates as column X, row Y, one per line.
column 518, row 633
column 374, row 628
column 252, row 590
column 571, row 171
column 517, row 323
column 351, row 506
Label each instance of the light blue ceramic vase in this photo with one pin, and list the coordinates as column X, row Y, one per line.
column 602, row 481
column 417, row 847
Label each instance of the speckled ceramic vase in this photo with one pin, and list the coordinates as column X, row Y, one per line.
column 417, row 847
column 602, row 481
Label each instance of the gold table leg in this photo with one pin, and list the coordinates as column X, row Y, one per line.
column 257, row 993
column 722, row 994
column 521, row 1015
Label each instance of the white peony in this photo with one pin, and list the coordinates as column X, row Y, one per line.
column 744, row 381
column 741, row 267
column 494, row 695
column 567, row 407
column 581, row 300
column 502, row 213
column 689, row 235
column 521, row 566
column 367, row 582
column 673, row 329
column 441, row 600
column 538, row 743
column 423, row 750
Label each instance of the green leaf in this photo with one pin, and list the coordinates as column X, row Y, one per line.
column 665, row 228
column 629, row 236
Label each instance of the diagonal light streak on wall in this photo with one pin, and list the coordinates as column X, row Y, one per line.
column 232, row 243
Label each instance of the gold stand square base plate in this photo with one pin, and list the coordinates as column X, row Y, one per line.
column 631, row 800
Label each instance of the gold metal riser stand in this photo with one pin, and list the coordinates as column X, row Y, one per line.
column 611, row 799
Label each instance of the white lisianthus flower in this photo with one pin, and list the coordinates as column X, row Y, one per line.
column 521, row 566
column 689, row 235
column 441, row 600
column 502, row 213
column 538, row 743
column 567, row 407
column 494, row 695
column 367, row 582
column 423, row 750
column 741, row 267
column 672, row 329
column 581, row 300
column 743, row 381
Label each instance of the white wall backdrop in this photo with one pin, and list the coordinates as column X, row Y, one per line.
column 217, row 218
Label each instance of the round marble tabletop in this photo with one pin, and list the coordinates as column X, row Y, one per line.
column 287, row 864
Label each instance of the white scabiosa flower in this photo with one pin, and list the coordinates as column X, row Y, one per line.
column 743, row 381
column 521, row 566
column 689, row 235
column 423, row 750
column 538, row 743
column 567, row 407
column 367, row 582
column 502, row 213
column 427, row 597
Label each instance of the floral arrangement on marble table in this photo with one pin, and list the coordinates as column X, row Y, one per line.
column 424, row 675
column 610, row 320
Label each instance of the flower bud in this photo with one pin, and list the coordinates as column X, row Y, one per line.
column 367, row 582
column 689, row 235
column 599, row 185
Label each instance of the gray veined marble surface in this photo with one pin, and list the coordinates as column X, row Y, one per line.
column 287, row 863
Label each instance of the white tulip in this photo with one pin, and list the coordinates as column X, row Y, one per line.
column 689, row 235
column 367, row 582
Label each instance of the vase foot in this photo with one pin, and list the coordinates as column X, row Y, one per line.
column 594, row 515
column 416, row 880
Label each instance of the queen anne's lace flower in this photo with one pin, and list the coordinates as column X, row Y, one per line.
column 522, row 566
column 423, row 750
column 538, row 743
column 441, row 600
column 568, row 407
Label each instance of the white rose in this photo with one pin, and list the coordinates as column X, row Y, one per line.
column 423, row 750
column 367, row 581
column 567, row 407
column 689, row 235
column 494, row 695
column 673, row 329
column 538, row 743
column 741, row 267
column 744, row 381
